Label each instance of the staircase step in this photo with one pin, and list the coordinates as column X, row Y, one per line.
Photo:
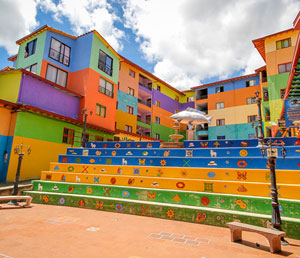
column 227, row 174
column 203, row 215
column 228, row 162
column 117, row 145
column 287, row 191
column 289, row 208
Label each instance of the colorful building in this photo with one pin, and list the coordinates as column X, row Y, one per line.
column 58, row 77
column 232, row 107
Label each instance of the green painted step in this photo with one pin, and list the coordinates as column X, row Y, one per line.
column 289, row 208
column 202, row 215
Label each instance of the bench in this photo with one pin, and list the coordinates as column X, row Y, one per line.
column 273, row 236
column 17, row 197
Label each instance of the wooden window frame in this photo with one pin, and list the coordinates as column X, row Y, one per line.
column 220, row 103
column 158, row 103
column 104, row 90
column 132, row 73
column 281, row 43
column 129, row 110
column 57, row 69
column 130, row 91
column 128, row 128
column 219, row 120
column 251, row 118
column 33, row 48
column 103, row 65
column 100, row 108
column 285, row 67
column 69, row 137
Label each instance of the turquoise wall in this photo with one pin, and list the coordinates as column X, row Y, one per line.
column 125, row 100
column 236, row 131
column 23, row 62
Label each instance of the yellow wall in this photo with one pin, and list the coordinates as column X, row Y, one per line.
column 233, row 115
column 123, row 118
column 42, row 154
column 9, row 85
column 275, row 57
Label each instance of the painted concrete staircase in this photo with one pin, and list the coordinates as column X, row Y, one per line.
column 209, row 182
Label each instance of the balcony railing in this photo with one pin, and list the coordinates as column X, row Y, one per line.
column 145, row 121
column 105, row 68
column 60, row 57
column 145, row 86
column 145, row 103
column 201, row 97
column 106, row 91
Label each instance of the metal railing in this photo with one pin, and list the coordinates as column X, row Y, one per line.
column 145, row 86
column 145, row 103
column 145, row 121
column 60, row 57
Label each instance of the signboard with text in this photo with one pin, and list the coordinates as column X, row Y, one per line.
column 292, row 112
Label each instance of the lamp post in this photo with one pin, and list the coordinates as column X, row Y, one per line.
column 85, row 115
column 272, row 155
column 19, row 149
column 260, row 133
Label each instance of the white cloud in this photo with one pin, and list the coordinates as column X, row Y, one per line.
column 86, row 15
column 191, row 41
column 17, row 19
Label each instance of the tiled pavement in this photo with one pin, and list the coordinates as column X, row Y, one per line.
column 45, row 231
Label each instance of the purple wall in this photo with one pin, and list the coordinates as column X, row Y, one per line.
column 42, row 95
column 168, row 103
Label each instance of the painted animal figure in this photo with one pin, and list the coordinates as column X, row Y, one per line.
column 213, row 154
column 40, row 187
column 166, row 153
column 93, row 145
column 124, row 162
column 77, row 179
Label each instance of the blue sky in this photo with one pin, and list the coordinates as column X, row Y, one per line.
column 185, row 43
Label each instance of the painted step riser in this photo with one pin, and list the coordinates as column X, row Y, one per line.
column 142, row 144
column 242, row 175
column 237, row 143
column 239, row 188
column 288, row 208
column 204, row 152
column 249, row 163
column 174, row 213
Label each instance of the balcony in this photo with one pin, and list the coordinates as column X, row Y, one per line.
column 148, row 87
column 144, row 103
column 145, row 121
column 202, row 97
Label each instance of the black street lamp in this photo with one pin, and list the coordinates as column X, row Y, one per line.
column 260, row 133
column 19, row 150
column 272, row 156
column 85, row 115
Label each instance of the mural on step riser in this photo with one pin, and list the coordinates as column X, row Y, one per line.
column 205, row 152
column 210, row 186
column 144, row 144
column 204, row 162
column 173, row 213
column 228, row 202
column 242, row 175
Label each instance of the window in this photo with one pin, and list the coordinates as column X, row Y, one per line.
column 129, row 110
column 283, row 43
column 177, row 98
column 128, row 128
column 105, row 63
column 60, row 52
column 68, row 136
column 99, row 138
column 30, row 48
column 283, row 68
column 131, row 73
column 252, row 119
column 282, row 92
column 100, row 110
column 158, row 88
column 131, row 91
column 251, row 101
column 56, row 75
column 219, row 89
column 31, row 68
column 190, row 99
column 157, row 103
column 220, row 105
column 157, row 120
column 221, row 137
column 176, row 111
column 157, row 136
column 106, row 87
column 250, row 83
column 220, row 122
